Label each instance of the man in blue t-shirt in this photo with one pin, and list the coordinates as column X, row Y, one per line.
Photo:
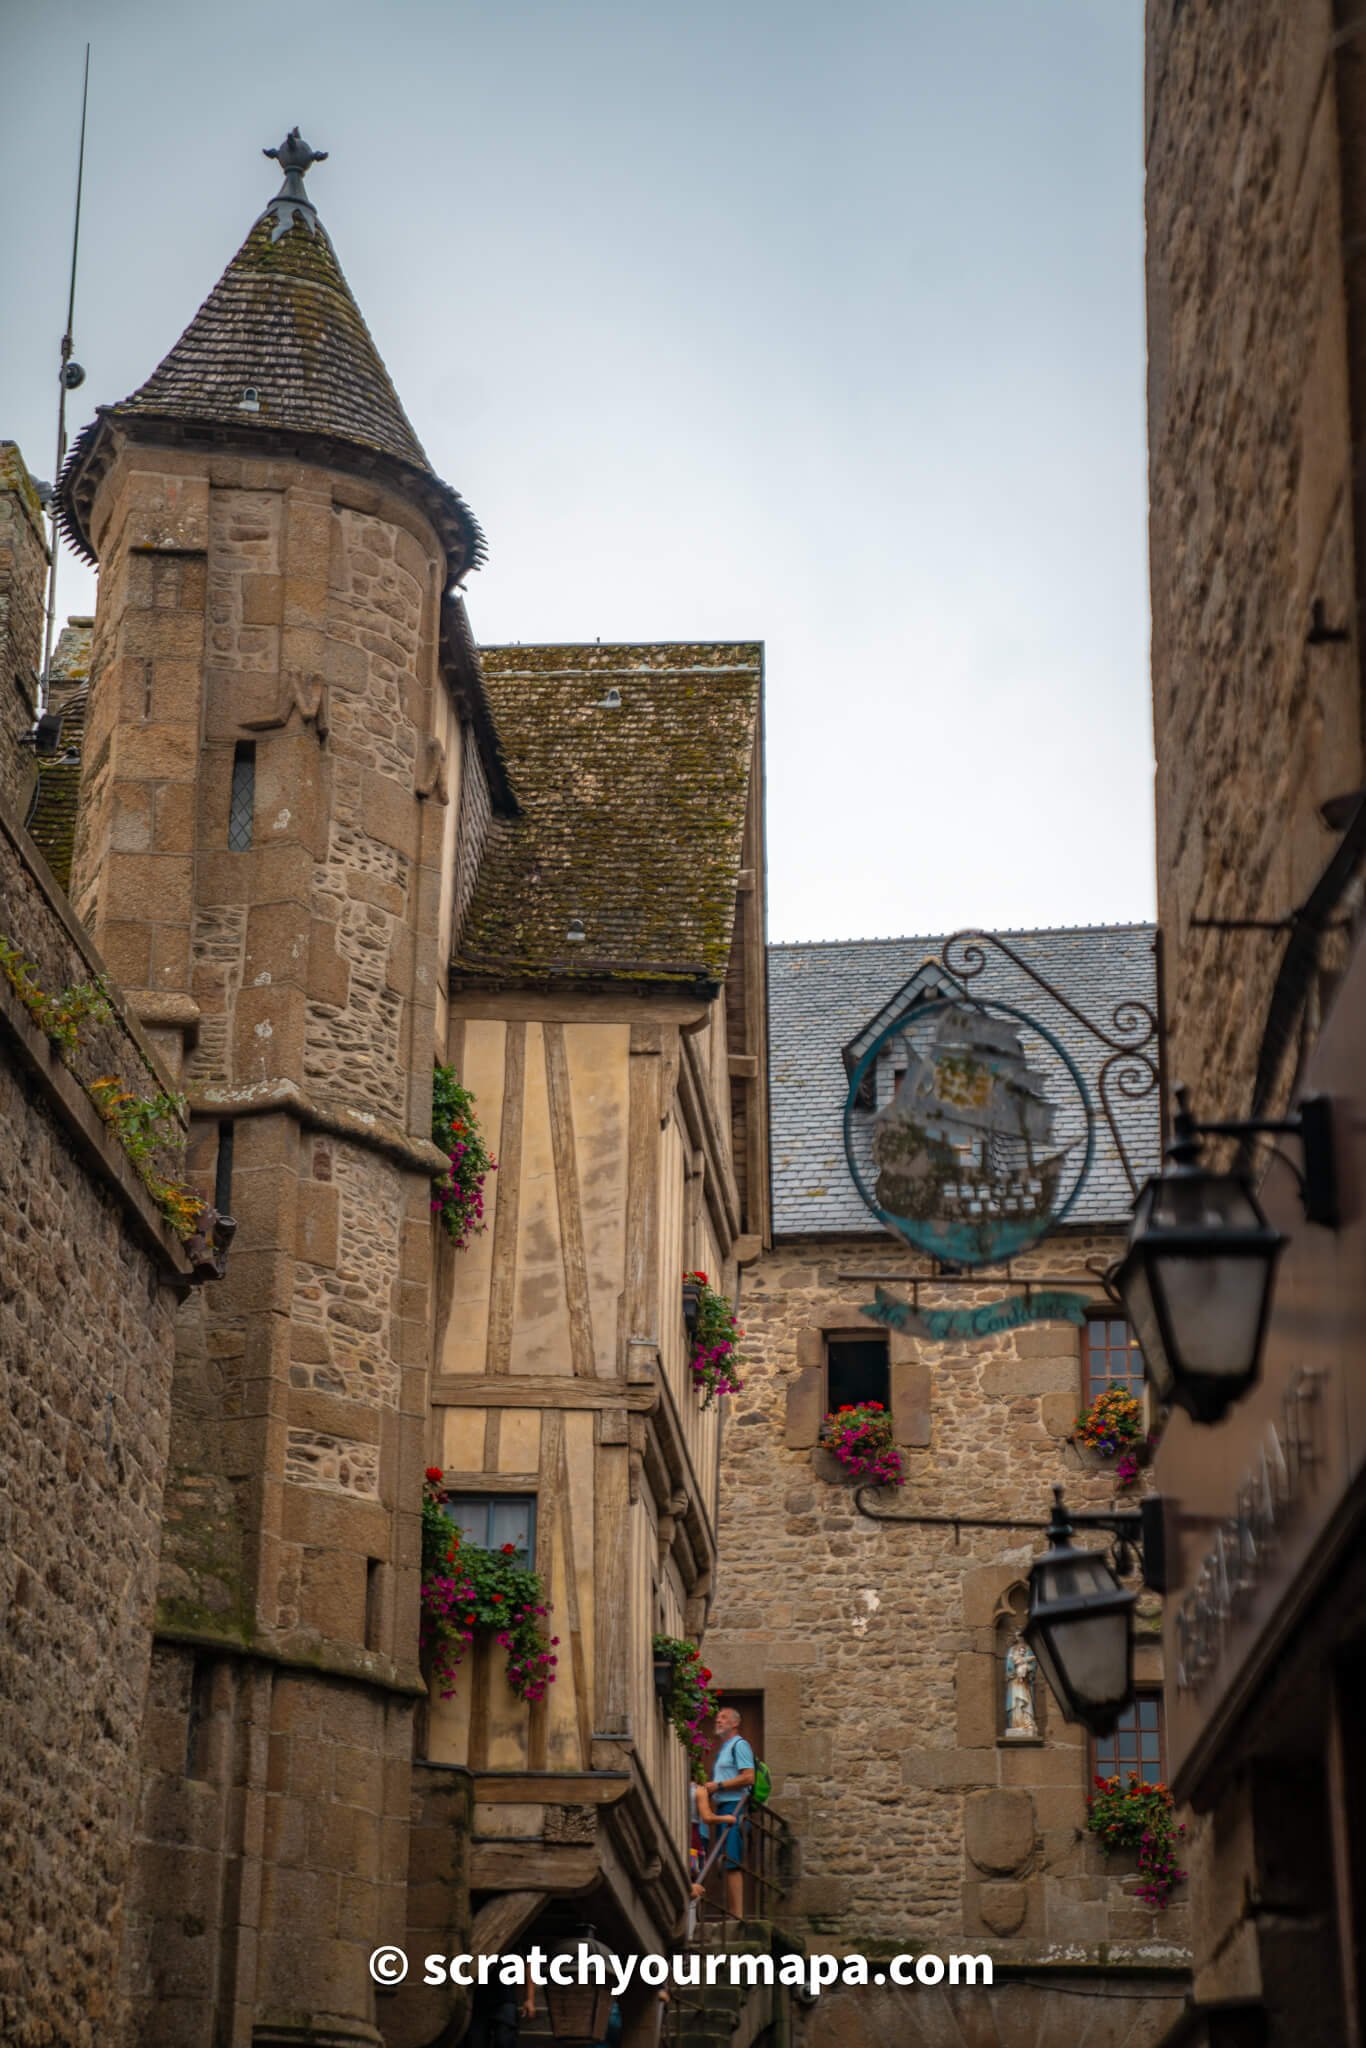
column 732, row 1775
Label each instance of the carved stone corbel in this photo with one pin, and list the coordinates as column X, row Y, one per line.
column 305, row 694
column 430, row 780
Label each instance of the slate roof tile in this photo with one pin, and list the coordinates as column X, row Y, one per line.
column 631, row 816
column 281, row 323
column 821, row 996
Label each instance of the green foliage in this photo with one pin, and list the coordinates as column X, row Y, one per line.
column 145, row 1126
column 458, row 1194
column 692, row 1699
column 1142, row 1817
column 60, row 1015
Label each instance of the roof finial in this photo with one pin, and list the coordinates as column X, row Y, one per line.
column 291, row 202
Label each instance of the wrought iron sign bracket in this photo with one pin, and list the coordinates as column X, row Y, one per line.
column 1137, row 1533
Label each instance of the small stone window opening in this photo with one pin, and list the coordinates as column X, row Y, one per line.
column 243, row 800
column 857, row 1369
column 374, row 1602
column 250, row 400
column 197, row 1719
column 1109, row 1359
column 1137, row 1749
column 489, row 1520
column 222, row 1178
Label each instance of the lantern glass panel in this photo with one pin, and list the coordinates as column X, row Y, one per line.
column 1136, row 1287
column 1093, row 1649
column 1213, row 1309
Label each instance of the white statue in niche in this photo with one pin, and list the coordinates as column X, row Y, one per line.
column 1021, row 1666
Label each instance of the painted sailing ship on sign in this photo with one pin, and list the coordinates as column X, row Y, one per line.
column 966, row 1158
column 968, row 1132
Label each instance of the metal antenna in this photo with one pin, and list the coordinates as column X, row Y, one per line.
column 69, row 376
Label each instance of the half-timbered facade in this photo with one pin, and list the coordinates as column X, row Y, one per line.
column 607, row 1010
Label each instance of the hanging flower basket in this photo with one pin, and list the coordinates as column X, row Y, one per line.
column 1142, row 1817
column 859, row 1439
column 689, row 1700
column 1111, row 1429
column 713, row 1358
column 458, row 1193
column 692, row 1300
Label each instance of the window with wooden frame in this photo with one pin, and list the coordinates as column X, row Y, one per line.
column 1109, row 1358
column 489, row 1520
column 857, row 1369
column 1137, row 1749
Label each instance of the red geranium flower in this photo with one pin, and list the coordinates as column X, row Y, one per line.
column 435, row 1472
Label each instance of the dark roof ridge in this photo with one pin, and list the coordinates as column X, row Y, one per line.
column 1004, row 931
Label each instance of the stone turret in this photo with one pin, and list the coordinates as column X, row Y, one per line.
column 268, row 806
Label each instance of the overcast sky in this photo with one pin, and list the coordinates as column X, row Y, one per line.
column 819, row 325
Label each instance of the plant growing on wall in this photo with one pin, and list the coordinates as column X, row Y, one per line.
column 146, row 1125
column 1142, row 1817
column 691, row 1700
column 465, row 1589
column 458, row 1193
column 60, row 1015
column 713, row 1358
column 1112, row 1427
column 861, row 1438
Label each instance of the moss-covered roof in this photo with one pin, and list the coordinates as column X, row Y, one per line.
column 52, row 815
column 278, row 347
column 631, row 815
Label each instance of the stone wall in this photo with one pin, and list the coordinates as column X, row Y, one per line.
column 1251, row 429
column 879, row 1651
column 23, row 573
column 88, row 1286
column 257, row 609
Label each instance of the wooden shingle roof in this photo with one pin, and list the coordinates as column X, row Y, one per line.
column 630, row 766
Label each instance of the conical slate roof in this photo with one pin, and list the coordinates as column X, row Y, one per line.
column 279, row 347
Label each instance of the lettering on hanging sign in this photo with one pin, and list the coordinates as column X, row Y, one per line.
column 988, row 1319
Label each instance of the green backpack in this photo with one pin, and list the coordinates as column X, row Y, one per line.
column 763, row 1784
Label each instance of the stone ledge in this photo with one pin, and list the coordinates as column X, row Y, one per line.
column 94, row 1143
column 286, row 1098
column 297, row 1653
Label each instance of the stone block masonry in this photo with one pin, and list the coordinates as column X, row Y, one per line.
column 879, row 1651
column 89, row 1281
column 1257, row 376
column 296, row 610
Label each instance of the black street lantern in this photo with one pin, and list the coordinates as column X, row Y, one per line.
column 1078, row 1628
column 581, row 2010
column 1196, row 1279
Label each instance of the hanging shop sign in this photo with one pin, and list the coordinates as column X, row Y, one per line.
column 987, row 1319
column 968, row 1131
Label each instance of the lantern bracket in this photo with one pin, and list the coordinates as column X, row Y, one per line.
column 1311, row 1123
column 1137, row 1533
